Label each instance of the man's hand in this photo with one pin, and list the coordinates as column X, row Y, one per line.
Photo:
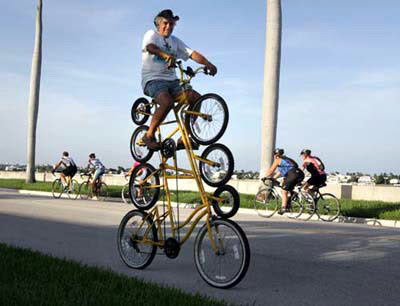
column 170, row 59
column 212, row 69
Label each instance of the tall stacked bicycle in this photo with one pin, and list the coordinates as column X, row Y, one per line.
column 221, row 248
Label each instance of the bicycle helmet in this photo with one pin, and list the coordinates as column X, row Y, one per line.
column 278, row 151
column 305, row 152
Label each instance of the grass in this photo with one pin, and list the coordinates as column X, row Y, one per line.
column 30, row 278
column 350, row 208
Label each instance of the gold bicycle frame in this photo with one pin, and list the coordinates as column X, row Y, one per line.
column 180, row 109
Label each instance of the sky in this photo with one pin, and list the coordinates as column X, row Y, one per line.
column 339, row 81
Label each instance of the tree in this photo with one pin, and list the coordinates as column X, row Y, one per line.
column 33, row 105
column 271, row 83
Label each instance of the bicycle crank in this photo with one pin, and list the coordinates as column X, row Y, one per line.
column 172, row 248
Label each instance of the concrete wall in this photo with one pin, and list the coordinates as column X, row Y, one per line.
column 355, row 192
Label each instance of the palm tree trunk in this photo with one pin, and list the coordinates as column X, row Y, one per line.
column 271, row 83
column 33, row 106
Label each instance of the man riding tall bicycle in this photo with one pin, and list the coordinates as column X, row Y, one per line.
column 160, row 50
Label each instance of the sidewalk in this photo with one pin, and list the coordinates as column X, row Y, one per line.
column 340, row 219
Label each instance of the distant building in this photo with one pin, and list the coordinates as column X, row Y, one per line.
column 366, row 180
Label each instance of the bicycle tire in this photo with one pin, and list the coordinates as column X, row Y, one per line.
column 149, row 193
column 207, row 131
column 267, row 203
column 102, row 193
column 295, row 210
column 140, row 152
column 220, row 174
column 84, row 190
column 125, row 194
column 328, row 207
column 231, row 203
column 74, row 192
column 226, row 267
column 57, row 188
column 308, row 204
column 141, row 104
column 134, row 252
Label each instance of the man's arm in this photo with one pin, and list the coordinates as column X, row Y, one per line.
column 153, row 49
column 200, row 59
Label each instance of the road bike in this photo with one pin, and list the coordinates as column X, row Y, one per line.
column 71, row 189
column 301, row 205
column 221, row 248
column 87, row 191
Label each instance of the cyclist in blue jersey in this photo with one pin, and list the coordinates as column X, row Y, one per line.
column 287, row 168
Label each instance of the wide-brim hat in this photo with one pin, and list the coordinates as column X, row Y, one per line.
column 168, row 14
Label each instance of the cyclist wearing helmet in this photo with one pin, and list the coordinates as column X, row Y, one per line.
column 287, row 168
column 142, row 175
column 160, row 50
column 315, row 167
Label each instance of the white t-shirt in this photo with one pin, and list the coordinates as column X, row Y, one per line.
column 67, row 161
column 96, row 163
column 154, row 67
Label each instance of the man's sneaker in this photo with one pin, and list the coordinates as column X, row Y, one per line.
column 180, row 145
column 151, row 143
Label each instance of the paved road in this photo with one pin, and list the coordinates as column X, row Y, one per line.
column 293, row 263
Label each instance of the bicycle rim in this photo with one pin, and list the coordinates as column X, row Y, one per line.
column 328, row 207
column 226, row 267
column 266, row 203
column 135, row 236
column 102, row 194
column 222, row 170
column 73, row 193
column 208, row 130
column 57, row 188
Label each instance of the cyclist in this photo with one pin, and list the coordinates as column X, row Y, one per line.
column 98, row 167
column 315, row 167
column 287, row 168
column 69, row 168
column 160, row 50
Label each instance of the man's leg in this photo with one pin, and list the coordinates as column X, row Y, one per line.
column 165, row 102
column 63, row 179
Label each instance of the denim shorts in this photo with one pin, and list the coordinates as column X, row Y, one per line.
column 98, row 173
column 155, row 87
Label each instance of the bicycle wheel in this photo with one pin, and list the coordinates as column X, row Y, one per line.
column 84, row 190
column 227, row 265
column 102, row 192
column 73, row 192
column 209, row 126
column 125, row 194
column 57, row 188
column 221, row 172
column 140, row 110
column 308, row 204
column 296, row 208
column 136, row 237
column 328, row 207
column 230, row 203
column 144, row 186
column 267, row 203
column 139, row 150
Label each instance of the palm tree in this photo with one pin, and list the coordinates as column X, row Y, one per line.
column 33, row 106
column 271, row 83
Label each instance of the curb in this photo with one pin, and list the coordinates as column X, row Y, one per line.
column 248, row 211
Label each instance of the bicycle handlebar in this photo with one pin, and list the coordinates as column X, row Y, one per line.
column 189, row 71
column 274, row 181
